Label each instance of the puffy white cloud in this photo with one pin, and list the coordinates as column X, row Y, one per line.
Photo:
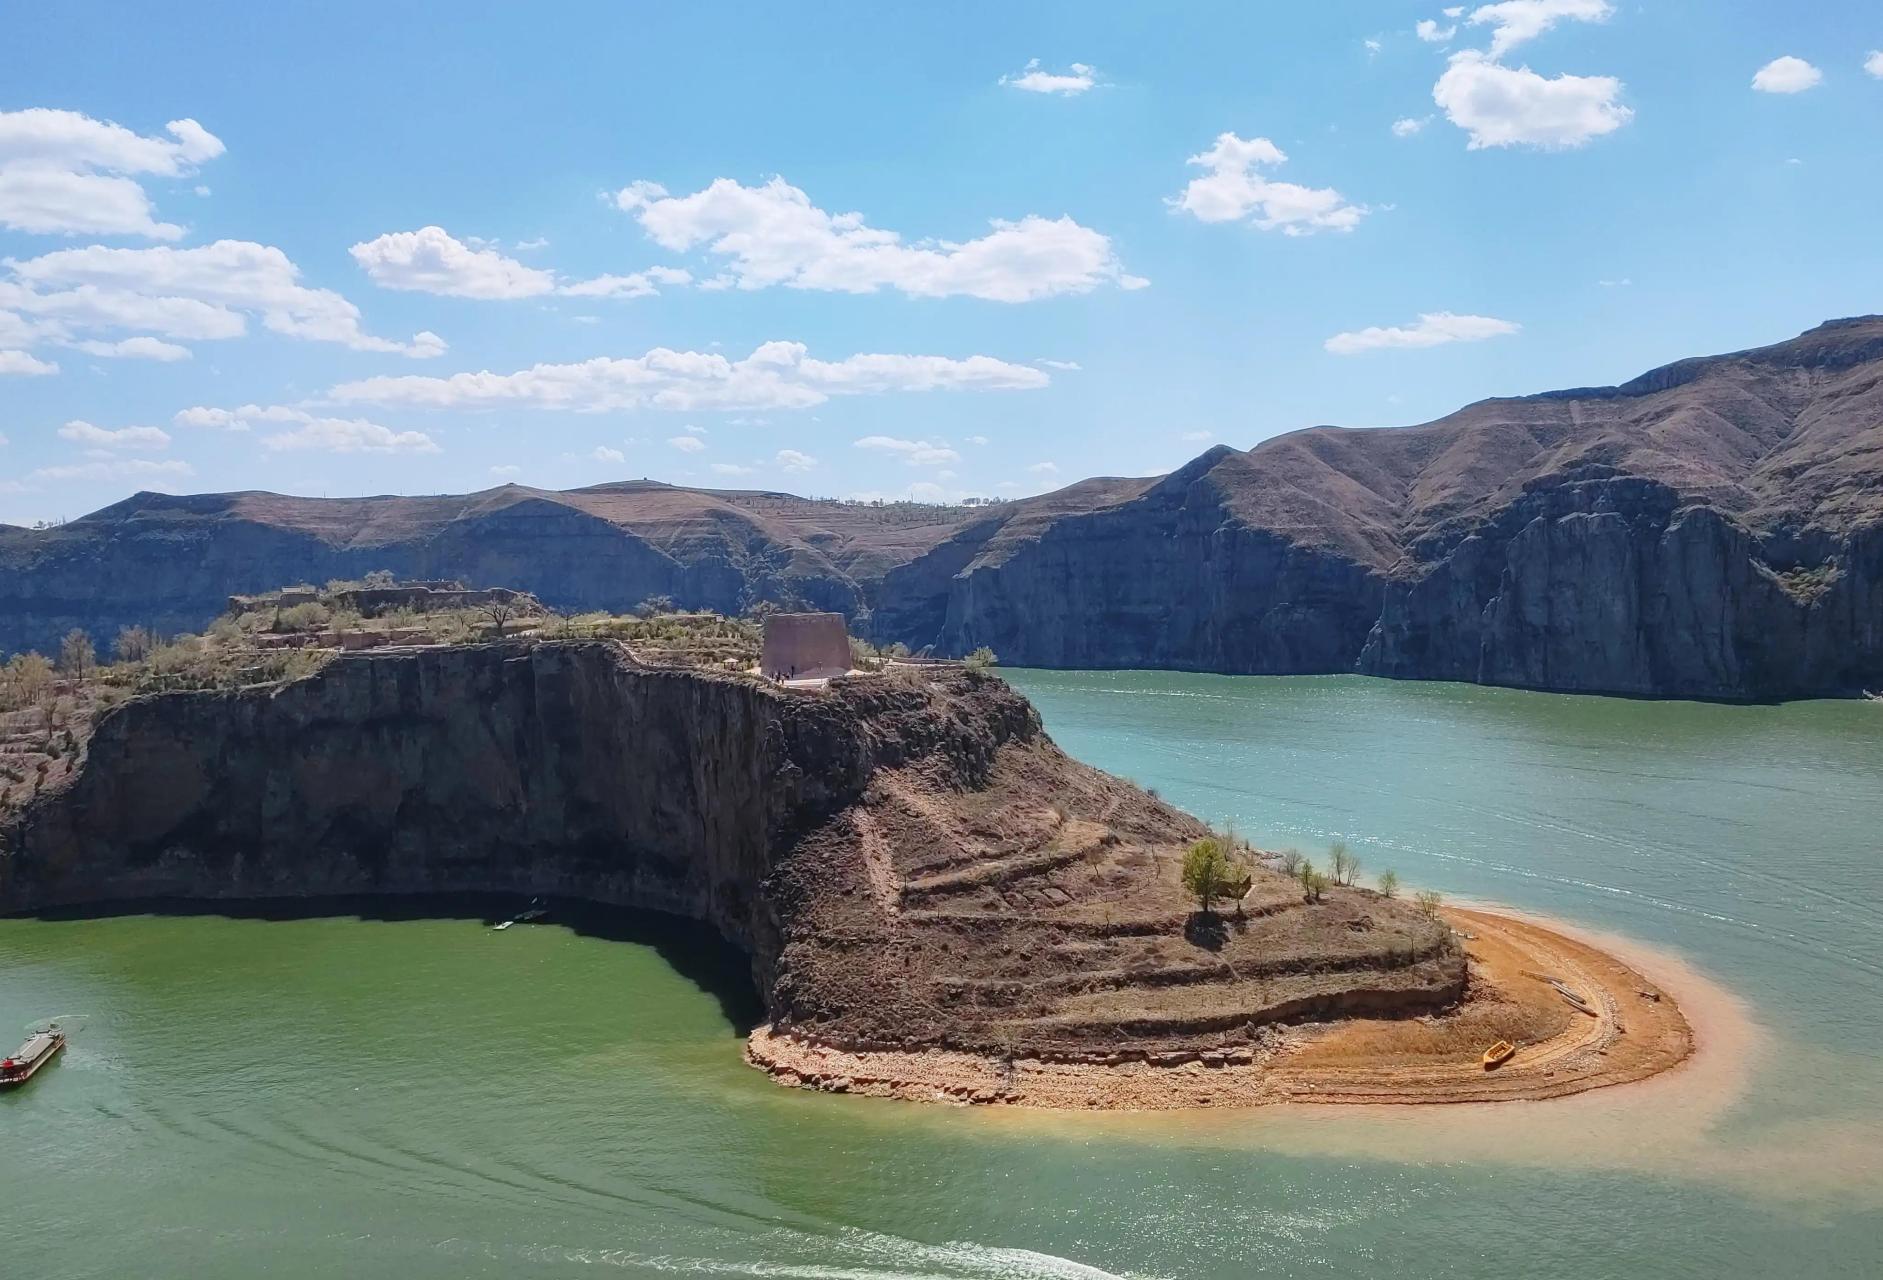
column 430, row 260
column 305, row 431
column 63, row 172
column 116, row 469
column 1067, row 366
column 777, row 375
column 1515, row 21
column 977, row 441
column 773, row 235
column 1434, row 329
column 530, row 246
column 1430, row 32
column 192, row 294
column 1406, row 127
column 19, row 362
column 917, row 453
column 793, row 461
column 1502, row 106
column 139, row 438
column 1787, row 75
column 603, row 453
column 1035, row 79
column 215, row 419
column 732, row 469
column 506, row 469
column 687, row 444
column 1234, row 189
column 1874, row 63
column 1044, row 468
column 134, row 349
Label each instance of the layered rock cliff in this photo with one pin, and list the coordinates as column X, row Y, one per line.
column 908, row 861
column 1710, row 529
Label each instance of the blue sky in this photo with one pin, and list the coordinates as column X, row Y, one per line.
column 879, row 249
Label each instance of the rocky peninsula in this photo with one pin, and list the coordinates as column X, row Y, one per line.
column 936, row 901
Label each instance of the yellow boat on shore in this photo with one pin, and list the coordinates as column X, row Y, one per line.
column 1498, row 1054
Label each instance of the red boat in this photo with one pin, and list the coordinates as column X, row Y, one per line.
column 40, row 1048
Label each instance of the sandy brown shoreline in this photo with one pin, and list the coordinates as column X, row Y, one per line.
column 1636, row 1029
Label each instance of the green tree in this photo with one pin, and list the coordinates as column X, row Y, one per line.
column 1389, row 884
column 1206, row 871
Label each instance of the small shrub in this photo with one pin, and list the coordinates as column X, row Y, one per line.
column 981, row 659
column 1291, row 861
column 1389, row 884
column 1206, row 871
column 1428, row 901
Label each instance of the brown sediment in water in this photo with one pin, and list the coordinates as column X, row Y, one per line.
column 1633, row 1028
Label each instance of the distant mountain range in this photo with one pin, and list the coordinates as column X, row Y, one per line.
column 1713, row 528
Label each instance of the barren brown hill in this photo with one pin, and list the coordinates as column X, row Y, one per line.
column 170, row 561
column 1712, row 529
column 907, row 859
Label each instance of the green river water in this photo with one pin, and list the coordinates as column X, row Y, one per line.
column 423, row 1097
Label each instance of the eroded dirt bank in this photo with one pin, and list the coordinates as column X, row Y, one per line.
column 1632, row 1028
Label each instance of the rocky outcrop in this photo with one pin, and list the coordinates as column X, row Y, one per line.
column 908, row 860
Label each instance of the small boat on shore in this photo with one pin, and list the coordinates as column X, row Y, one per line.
column 1498, row 1054
column 536, row 912
column 24, row 1062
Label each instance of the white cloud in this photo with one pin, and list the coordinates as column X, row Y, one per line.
column 65, row 173
column 214, row 419
column 917, row 453
column 1434, row 329
column 22, row 363
column 429, row 260
column 1874, row 63
column 690, row 429
column 308, row 431
column 1066, row 366
column 1372, row 46
column 794, row 461
column 639, row 284
column 529, row 246
column 977, row 441
column 777, row 375
column 134, row 349
column 1405, row 128
column 1034, row 79
column 1197, row 437
column 1044, row 468
column 1787, row 75
column 604, row 454
column 1501, row 106
column 1430, row 32
column 732, row 469
column 202, row 293
column 140, row 438
column 115, row 469
column 773, row 235
column 1234, row 189
column 687, row 444
column 1620, row 283
column 507, row 469
column 1515, row 21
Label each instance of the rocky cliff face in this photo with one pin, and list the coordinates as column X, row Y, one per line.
column 1708, row 530
column 908, row 861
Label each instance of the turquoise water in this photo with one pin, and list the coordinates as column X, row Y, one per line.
column 426, row 1098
